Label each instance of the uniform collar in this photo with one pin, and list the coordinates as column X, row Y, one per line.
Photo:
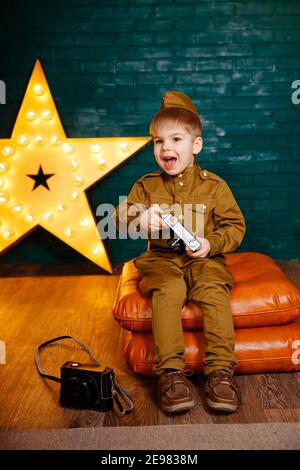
column 189, row 171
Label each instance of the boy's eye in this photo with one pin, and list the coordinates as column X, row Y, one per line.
column 177, row 139
column 157, row 141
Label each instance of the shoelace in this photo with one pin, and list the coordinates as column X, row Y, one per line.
column 223, row 377
column 177, row 376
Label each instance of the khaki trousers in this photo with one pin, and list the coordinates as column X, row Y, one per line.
column 172, row 280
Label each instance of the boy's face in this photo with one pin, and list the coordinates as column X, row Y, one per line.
column 174, row 148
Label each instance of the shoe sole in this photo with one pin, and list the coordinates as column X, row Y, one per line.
column 221, row 406
column 180, row 407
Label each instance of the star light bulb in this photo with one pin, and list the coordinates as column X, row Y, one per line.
column 30, row 115
column 68, row 148
column 23, row 140
column 96, row 148
column 54, row 140
column 38, row 89
column 8, row 151
column 4, row 166
column 3, row 198
column 46, row 114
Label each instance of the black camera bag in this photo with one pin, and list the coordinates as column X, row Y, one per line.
column 86, row 387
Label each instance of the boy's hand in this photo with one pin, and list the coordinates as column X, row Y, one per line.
column 204, row 250
column 150, row 220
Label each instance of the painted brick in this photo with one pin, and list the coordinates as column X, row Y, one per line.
column 213, row 64
column 217, row 9
column 135, row 92
column 254, row 36
column 253, row 90
column 152, row 79
column 121, row 79
column 134, row 66
column 275, row 50
column 94, row 12
column 73, row 53
column 255, row 63
column 273, row 76
column 287, row 36
column 282, row 89
column 197, row 78
column 234, row 50
column 114, row 52
column 233, row 23
column 214, row 91
column 93, row 39
column 254, row 8
column 175, row 11
column 173, row 38
column 115, row 25
column 178, row 65
column 132, row 39
column 287, row 8
column 89, row 67
column 275, row 22
column 214, row 38
column 198, row 52
column 153, row 52
column 134, row 11
column 196, row 24
column 288, row 63
column 157, row 25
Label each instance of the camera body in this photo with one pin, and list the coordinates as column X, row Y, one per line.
column 181, row 237
column 86, row 387
column 176, row 244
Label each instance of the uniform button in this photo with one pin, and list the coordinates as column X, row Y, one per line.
column 204, row 173
column 180, row 183
column 180, row 175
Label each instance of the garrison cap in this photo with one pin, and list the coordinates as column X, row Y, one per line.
column 176, row 99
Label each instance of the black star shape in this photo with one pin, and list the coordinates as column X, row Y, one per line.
column 40, row 179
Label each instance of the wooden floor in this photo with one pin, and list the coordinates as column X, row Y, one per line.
column 37, row 304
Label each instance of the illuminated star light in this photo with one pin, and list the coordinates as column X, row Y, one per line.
column 39, row 149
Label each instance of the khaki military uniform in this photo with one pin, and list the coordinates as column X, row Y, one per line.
column 172, row 279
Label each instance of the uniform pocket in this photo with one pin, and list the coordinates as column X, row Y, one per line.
column 198, row 214
column 202, row 204
column 164, row 202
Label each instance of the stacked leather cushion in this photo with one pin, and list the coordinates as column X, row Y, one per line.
column 265, row 306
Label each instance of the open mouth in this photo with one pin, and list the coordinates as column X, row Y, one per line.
column 169, row 162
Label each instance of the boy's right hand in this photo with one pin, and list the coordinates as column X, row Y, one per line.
column 150, row 220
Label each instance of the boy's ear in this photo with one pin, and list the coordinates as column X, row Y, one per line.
column 198, row 142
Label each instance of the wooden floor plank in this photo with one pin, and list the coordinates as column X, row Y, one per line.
column 38, row 307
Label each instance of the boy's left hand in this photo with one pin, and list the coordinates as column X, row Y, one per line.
column 204, row 250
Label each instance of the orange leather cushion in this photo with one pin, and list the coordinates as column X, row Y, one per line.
column 268, row 349
column 262, row 296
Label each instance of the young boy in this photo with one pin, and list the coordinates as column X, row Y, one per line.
column 172, row 278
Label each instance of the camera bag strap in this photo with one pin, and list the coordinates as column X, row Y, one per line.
column 117, row 390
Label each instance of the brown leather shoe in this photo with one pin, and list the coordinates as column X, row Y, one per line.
column 175, row 392
column 221, row 392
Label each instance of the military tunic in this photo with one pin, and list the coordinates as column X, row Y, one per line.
column 171, row 279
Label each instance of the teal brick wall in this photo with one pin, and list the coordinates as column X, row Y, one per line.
column 108, row 62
